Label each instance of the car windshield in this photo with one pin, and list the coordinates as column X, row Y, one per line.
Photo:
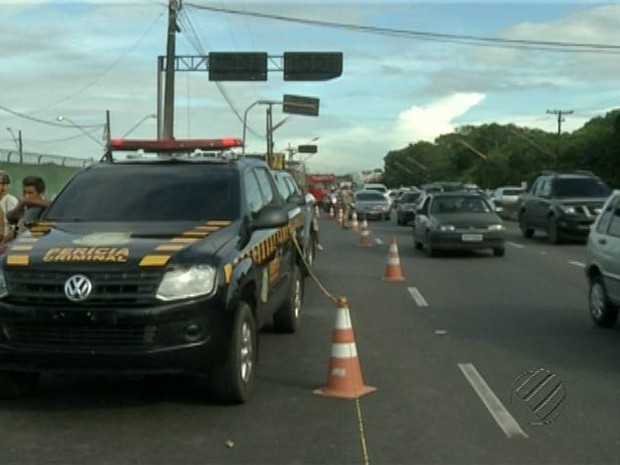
column 457, row 204
column 370, row 196
column 580, row 187
column 410, row 197
column 149, row 192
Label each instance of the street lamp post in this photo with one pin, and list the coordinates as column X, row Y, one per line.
column 135, row 126
column 18, row 142
column 245, row 118
column 481, row 155
column 72, row 123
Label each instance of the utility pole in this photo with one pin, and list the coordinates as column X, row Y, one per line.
column 559, row 114
column 20, row 146
column 168, row 129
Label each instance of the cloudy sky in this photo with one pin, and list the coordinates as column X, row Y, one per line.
column 408, row 76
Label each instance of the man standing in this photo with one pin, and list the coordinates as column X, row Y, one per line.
column 345, row 195
column 33, row 195
column 7, row 203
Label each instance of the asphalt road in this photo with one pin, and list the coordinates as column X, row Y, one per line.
column 461, row 330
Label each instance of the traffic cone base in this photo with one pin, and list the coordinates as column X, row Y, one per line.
column 365, row 238
column 344, row 374
column 393, row 270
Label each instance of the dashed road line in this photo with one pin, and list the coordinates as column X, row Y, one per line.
column 576, row 263
column 515, row 244
column 419, row 299
column 495, row 407
column 378, row 241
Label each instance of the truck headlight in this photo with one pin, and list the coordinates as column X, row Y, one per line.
column 568, row 209
column 3, row 289
column 183, row 283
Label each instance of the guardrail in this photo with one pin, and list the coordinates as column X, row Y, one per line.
column 34, row 158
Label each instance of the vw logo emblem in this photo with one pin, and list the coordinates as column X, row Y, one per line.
column 78, row 287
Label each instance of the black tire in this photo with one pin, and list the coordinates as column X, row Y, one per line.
column 526, row 231
column 603, row 313
column 288, row 318
column 16, row 384
column 232, row 382
column 499, row 251
column 398, row 220
column 386, row 217
column 553, row 235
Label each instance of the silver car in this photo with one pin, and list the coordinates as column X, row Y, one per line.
column 371, row 204
column 603, row 263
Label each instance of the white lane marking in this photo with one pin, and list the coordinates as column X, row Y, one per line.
column 495, row 407
column 576, row 263
column 378, row 241
column 515, row 244
column 417, row 297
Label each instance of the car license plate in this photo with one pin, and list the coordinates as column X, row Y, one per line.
column 471, row 237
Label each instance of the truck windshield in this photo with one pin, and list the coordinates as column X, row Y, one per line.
column 580, row 187
column 149, row 192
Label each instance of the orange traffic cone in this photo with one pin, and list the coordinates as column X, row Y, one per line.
column 393, row 271
column 340, row 218
column 344, row 374
column 365, row 235
column 355, row 226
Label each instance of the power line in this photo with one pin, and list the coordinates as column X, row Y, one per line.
column 442, row 37
column 194, row 40
column 42, row 121
column 104, row 72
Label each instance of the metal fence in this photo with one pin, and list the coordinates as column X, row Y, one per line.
column 34, row 158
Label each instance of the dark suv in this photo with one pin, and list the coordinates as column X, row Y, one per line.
column 152, row 266
column 563, row 204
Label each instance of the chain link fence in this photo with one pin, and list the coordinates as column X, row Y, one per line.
column 34, row 158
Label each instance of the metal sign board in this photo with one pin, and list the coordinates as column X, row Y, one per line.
column 237, row 66
column 307, row 148
column 300, row 105
column 312, row 66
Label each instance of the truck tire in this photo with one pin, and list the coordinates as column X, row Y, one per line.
column 526, row 231
column 232, row 382
column 288, row 318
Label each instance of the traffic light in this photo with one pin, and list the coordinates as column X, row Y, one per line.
column 237, row 66
column 312, row 66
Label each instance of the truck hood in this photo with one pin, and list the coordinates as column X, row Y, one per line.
column 134, row 244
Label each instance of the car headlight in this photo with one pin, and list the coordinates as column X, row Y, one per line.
column 446, row 227
column 183, row 283
column 496, row 227
column 597, row 211
column 3, row 289
column 568, row 209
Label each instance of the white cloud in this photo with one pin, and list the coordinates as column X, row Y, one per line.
column 426, row 123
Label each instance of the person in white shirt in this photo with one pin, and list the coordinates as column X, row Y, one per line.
column 7, row 202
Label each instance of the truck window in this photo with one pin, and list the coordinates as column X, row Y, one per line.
column 132, row 193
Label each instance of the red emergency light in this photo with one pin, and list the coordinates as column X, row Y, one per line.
column 175, row 145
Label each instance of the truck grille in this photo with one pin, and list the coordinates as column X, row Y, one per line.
column 46, row 335
column 109, row 288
